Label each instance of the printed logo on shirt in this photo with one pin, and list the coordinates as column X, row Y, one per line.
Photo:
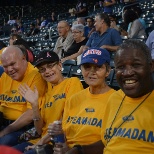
column 135, row 134
column 56, row 97
column 128, row 118
column 89, row 110
column 12, row 99
column 85, row 121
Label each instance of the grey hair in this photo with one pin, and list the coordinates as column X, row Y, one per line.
column 136, row 44
column 78, row 27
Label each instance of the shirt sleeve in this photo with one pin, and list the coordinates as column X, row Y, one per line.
column 116, row 38
column 89, row 42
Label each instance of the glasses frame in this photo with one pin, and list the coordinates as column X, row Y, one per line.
column 48, row 65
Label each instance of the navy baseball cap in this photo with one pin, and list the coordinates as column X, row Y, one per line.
column 46, row 56
column 96, row 56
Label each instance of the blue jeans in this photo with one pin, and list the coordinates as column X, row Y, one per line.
column 11, row 139
column 21, row 147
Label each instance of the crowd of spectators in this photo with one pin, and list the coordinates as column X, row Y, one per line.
column 34, row 93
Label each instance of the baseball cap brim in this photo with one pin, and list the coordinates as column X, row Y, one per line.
column 91, row 60
column 42, row 61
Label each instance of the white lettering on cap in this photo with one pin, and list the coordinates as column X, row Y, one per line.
column 92, row 51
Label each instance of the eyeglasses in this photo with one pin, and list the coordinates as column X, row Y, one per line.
column 88, row 67
column 49, row 66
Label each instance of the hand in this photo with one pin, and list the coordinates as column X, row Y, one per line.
column 28, row 94
column 55, row 129
column 61, row 148
column 30, row 147
column 104, row 46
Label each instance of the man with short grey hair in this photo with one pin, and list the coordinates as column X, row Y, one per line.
column 65, row 39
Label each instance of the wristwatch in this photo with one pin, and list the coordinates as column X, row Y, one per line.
column 79, row 148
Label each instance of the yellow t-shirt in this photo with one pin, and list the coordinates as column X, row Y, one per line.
column 83, row 117
column 54, row 101
column 13, row 105
column 135, row 135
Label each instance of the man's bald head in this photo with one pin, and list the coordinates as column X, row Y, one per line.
column 11, row 50
column 14, row 62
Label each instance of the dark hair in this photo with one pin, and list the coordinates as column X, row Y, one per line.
column 130, row 16
column 15, row 36
column 25, row 44
column 138, row 45
column 105, row 17
column 138, row 10
column 91, row 18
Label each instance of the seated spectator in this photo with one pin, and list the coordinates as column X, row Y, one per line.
column 79, row 40
column 88, row 28
column 135, row 27
column 113, row 22
column 29, row 53
column 44, row 22
column 81, row 9
column 84, row 112
column 33, row 30
column 53, row 17
column 18, row 20
column 108, row 6
column 16, row 110
column 12, row 21
column 138, row 11
column 38, row 23
column 104, row 37
column 59, row 90
column 14, row 30
column 14, row 37
column 20, row 28
column 65, row 39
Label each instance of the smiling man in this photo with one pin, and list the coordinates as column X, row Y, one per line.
column 16, row 111
column 128, row 120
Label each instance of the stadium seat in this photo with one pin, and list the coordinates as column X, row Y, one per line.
column 66, row 70
column 70, row 62
column 76, row 72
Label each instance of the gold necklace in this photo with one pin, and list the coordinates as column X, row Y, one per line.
column 108, row 134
